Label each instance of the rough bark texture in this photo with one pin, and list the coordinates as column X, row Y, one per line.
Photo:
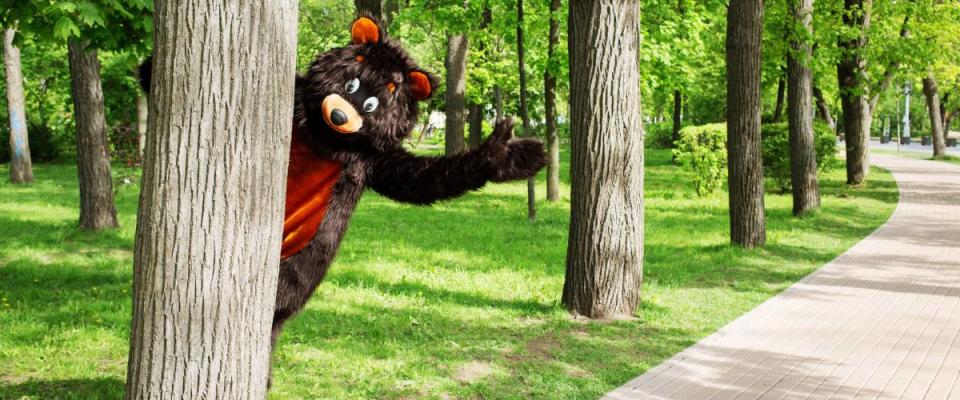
column 21, row 168
column 823, row 108
column 476, row 126
column 141, row 124
column 745, row 165
column 853, row 101
column 97, row 210
column 524, row 113
column 211, row 208
column 605, row 247
column 803, row 151
column 936, row 122
column 456, row 64
column 550, row 108
column 781, row 91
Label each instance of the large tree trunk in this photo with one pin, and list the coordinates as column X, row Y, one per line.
column 21, row 167
column 853, row 101
column 778, row 110
column 524, row 114
column 936, row 123
column 211, row 208
column 550, row 108
column 456, row 64
column 823, row 108
column 476, row 125
column 97, row 210
column 745, row 165
column 803, row 151
column 605, row 246
column 141, row 124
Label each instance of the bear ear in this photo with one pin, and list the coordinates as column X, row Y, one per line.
column 421, row 86
column 365, row 31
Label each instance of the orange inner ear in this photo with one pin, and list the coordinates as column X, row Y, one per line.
column 364, row 31
column 420, row 85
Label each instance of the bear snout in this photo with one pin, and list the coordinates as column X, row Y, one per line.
column 340, row 115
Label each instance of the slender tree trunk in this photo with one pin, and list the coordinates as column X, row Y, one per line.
column 605, row 245
column 211, row 208
column 745, row 165
column 97, row 210
column 803, row 150
column 550, row 107
column 524, row 114
column 476, row 125
column 936, row 123
column 781, row 91
column 141, row 124
column 381, row 10
column 456, row 63
column 853, row 101
column 497, row 104
column 677, row 115
column 824, row 109
column 21, row 167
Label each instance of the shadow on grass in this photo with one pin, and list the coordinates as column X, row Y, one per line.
column 79, row 389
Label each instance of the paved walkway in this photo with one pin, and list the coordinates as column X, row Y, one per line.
column 880, row 321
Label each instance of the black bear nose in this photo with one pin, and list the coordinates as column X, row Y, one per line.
column 338, row 117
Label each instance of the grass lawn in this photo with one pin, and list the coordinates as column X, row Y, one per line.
column 456, row 301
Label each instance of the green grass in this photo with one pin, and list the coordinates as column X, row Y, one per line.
column 458, row 300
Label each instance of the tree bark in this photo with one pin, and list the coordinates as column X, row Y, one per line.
column 211, row 208
column 524, row 114
column 778, row 110
column 476, row 125
column 97, row 210
column 142, row 111
column 824, row 109
column 605, row 245
column 936, row 122
column 745, row 165
column 21, row 167
column 550, row 107
column 456, row 64
column 803, row 151
column 856, row 108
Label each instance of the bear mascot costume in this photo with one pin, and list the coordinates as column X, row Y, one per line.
column 352, row 110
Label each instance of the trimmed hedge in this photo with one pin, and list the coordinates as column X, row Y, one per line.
column 703, row 150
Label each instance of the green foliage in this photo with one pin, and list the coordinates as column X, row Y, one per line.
column 776, row 152
column 702, row 150
column 659, row 135
column 45, row 145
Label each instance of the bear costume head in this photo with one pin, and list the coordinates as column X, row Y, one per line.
column 364, row 95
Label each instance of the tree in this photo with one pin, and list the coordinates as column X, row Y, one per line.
column 524, row 112
column 823, row 109
column 605, row 245
column 778, row 109
column 550, row 106
column 803, row 152
column 456, row 65
column 97, row 210
column 21, row 168
column 745, row 166
column 381, row 10
column 936, row 122
column 211, row 207
column 142, row 112
column 475, row 110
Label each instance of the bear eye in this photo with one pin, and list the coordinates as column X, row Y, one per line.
column 352, row 86
column 370, row 104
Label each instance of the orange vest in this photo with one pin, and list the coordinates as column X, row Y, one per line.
column 310, row 182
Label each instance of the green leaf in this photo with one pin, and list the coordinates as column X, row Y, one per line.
column 65, row 28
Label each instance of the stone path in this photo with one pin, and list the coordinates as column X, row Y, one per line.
column 880, row 321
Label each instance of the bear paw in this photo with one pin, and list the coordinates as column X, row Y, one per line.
column 512, row 159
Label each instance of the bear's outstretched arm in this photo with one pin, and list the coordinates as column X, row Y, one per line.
column 408, row 178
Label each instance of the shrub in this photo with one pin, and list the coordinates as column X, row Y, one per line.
column 703, row 150
column 659, row 135
column 776, row 152
column 43, row 143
